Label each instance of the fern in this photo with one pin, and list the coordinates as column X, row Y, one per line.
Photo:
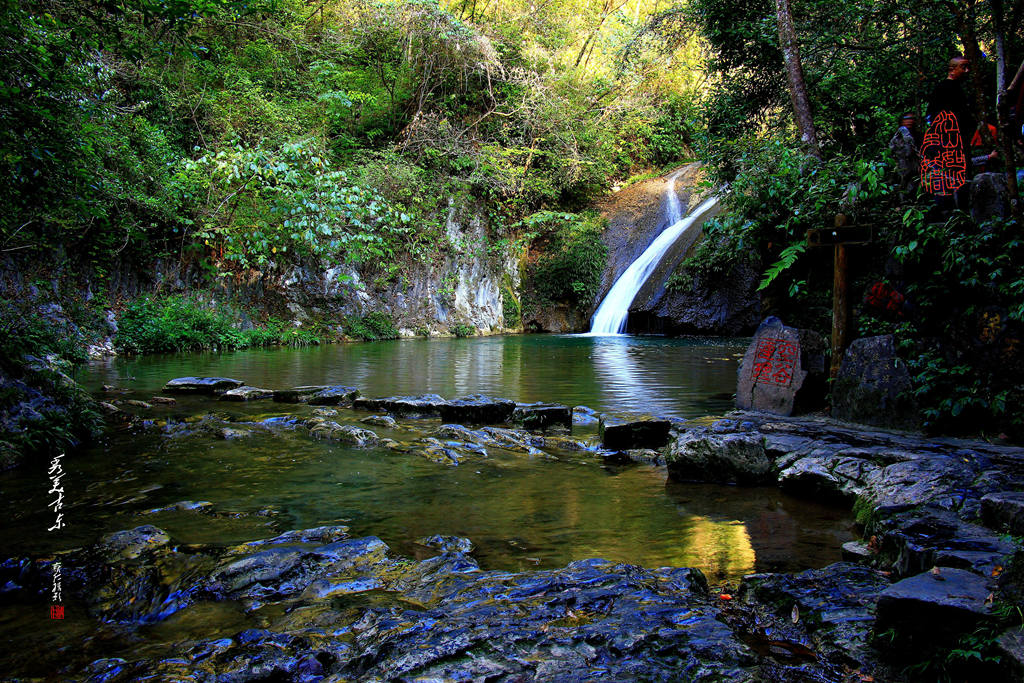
column 787, row 258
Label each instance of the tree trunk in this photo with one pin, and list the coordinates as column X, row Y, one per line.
column 795, row 74
column 1006, row 135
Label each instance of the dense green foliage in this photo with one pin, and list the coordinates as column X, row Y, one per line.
column 243, row 134
column 180, row 323
column 865, row 63
column 571, row 261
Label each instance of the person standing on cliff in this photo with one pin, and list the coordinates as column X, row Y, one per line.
column 943, row 151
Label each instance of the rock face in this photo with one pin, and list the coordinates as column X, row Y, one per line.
column 202, row 385
column 620, row 433
column 783, row 370
column 873, row 386
column 720, row 304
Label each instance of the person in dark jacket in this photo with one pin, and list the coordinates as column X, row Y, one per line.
column 951, row 123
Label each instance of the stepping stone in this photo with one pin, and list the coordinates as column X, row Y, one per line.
column 542, row 415
column 477, row 409
column 426, row 405
column 246, row 393
column 202, row 385
column 319, row 394
column 629, row 432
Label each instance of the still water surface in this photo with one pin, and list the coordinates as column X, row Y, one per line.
column 522, row 512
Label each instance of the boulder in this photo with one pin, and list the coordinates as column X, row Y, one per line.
column 246, row 393
column 477, row 409
column 783, row 370
column 719, row 458
column 1004, row 509
column 540, row 416
column 873, row 386
column 201, row 385
column 625, row 432
column 426, row 405
column 989, row 197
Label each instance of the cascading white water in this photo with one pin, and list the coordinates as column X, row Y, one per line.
column 611, row 315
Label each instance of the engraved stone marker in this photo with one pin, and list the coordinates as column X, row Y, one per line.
column 771, row 373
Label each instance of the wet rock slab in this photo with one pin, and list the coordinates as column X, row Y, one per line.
column 721, row 458
column 202, row 385
column 1005, row 509
column 939, row 604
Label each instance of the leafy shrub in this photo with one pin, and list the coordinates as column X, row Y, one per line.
column 181, row 323
column 462, row 330
column 962, row 343
column 371, row 327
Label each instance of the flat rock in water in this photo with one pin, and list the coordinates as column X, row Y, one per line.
column 942, row 603
column 623, row 433
column 542, row 415
column 737, row 458
column 426, row 405
column 202, row 385
column 782, row 371
column 246, row 393
column 334, row 396
column 477, row 409
column 132, row 543
column 319, row 395
column 1005, row 508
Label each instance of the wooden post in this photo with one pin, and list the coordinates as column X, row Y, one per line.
column 839, row 237
column 840, row 308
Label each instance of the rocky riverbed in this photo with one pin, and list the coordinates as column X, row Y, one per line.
column 936, row 572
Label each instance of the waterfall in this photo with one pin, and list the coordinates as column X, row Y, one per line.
column 611, row 315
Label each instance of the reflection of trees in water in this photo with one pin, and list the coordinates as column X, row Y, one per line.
column 783, row 533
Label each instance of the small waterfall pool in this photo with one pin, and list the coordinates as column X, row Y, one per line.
column 610, row 317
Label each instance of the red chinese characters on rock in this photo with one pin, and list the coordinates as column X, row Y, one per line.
column 943, row 165
column 774, row 361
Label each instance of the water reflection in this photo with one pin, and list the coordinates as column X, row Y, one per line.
column 678, row 377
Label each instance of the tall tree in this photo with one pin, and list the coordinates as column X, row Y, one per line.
column 795, row 74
